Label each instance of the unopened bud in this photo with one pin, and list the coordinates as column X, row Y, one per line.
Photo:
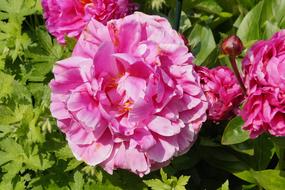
column 232, row 46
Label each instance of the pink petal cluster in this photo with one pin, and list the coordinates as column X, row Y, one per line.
column 69, row 17
column 128, row 97
column 222, row 91
column 264, row 68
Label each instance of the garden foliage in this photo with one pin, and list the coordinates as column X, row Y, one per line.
column 34, row 153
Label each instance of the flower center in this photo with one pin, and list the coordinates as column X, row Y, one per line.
column 84, row 2
column 127, row 106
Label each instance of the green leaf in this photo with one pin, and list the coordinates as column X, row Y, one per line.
column 156, row 184
column 37, row 160
column 7, row 115
column 167, row 184
column 185, row 22
column 78, row 181
column 223, row 159
column 6, row 84
column 249, row 29
column 270, row 179
column 202, row 43
column 157, row 4
column 245, row 175
column 43, row 56
column 233, row 133
column 11, row 151
column 225, row 186
column 72, row 165
column 64, row 153
column 18, row 7
column 246, row 147
column 279, row 141
column 263, row 151
column 182, row 181
column 270, row 29
column 210, row 6
column 5, row 129
column 163, row 176
column 11, row 171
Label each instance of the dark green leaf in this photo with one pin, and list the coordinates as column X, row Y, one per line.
column 202, row 43
column 233, row 133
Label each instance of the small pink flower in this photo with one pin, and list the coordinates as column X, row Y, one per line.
column 222, row 91
column 264, row 68
column 128, row 97
column 69, row 17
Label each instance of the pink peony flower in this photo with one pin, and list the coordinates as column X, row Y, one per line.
column 128, row 97
column 222, row 91
column 69, row 17
column 264, row 68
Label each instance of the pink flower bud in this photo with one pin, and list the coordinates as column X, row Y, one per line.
column 232, row 46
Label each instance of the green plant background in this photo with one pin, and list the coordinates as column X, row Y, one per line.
column 34, row 153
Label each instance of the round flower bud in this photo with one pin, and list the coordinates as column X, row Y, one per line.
column 232, row 46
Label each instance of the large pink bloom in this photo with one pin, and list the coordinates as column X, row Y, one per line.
column 222, row 91
column 264, row 68
column 69, row 17
column 128, row 97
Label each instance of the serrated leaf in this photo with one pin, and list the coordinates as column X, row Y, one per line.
column 163, row 176
column 72, row 165
column 6, row 86
column 156, row 184
column 78, row 183
column 7, row 115
column 38, row 161
column 157, row 4
column 5, row 129
column 10, row 172
column 18, row 7
column 64, row 153
column 182, row 181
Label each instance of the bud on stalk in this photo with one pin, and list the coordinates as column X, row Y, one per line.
column 232, row 46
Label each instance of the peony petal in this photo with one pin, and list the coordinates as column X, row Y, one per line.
column 79, row 100
column 140, row 111
column 133, row 86
column 162, row 151
column 59, row 111
column 96, row 152
column 163, row 126
column 104, row 62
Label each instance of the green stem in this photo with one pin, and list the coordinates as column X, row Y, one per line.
column 281, row 163
column 237, row 74
column 178, row 14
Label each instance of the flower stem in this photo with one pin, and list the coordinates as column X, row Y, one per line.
column 178, row 14
column 281, row 162
column 237, row 74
